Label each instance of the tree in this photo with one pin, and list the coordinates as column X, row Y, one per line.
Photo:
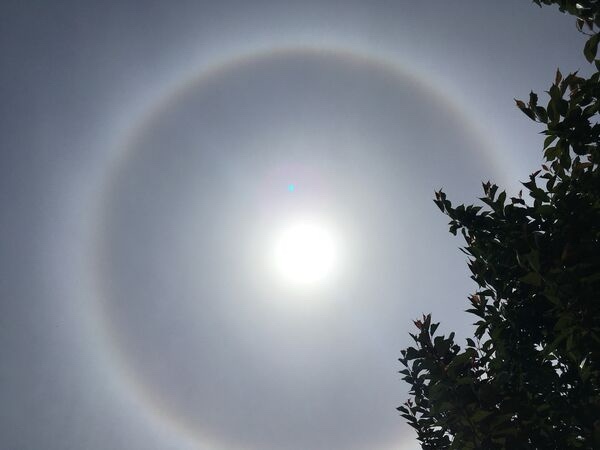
column 530, row 376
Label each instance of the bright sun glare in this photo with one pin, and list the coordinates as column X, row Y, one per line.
column 305, row 253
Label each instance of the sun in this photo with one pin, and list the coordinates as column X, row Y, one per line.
column 305, row 253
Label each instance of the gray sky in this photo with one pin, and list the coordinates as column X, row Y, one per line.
column 148, row 152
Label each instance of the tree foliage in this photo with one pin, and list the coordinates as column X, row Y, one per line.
column 530, row 376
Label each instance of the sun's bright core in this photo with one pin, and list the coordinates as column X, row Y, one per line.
column 305, row 253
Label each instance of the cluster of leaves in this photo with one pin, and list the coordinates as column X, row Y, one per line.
column 588, row 15
column 530, row 377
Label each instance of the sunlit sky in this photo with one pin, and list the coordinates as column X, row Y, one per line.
column 217, row 220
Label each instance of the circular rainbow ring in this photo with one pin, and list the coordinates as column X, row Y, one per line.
column 145, row 399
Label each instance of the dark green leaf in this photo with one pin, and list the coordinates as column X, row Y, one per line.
column 591, row 47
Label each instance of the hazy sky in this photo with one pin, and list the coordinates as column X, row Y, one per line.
column 152, row 153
